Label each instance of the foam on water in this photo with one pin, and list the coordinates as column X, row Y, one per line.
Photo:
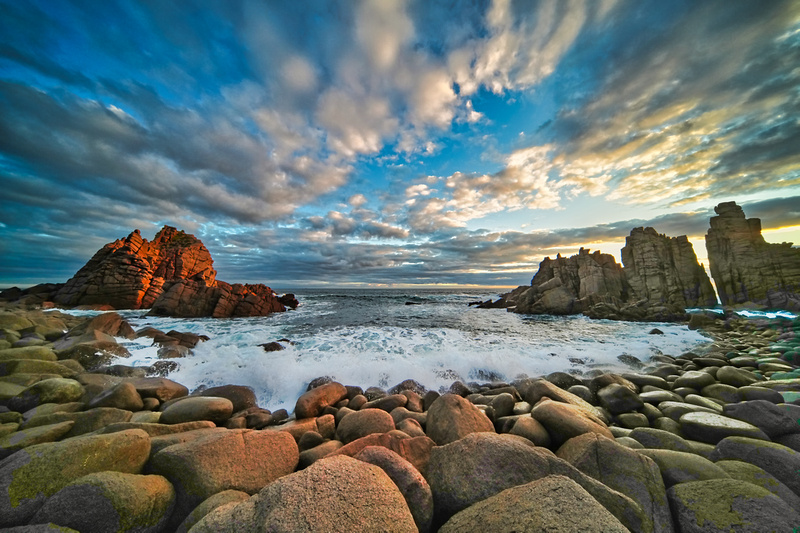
column 370, row 338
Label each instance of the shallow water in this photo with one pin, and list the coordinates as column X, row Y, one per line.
column 372, row 337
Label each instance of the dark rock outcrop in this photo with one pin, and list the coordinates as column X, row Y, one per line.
column 173, row 275
column 571, row 285
column 660, row 279
column 747, row 269
column 664, row 270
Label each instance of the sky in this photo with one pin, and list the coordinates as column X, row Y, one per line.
column 390, row 143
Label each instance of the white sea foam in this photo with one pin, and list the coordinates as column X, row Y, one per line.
column 375, row 339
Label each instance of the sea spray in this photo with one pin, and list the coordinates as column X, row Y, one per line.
column 372, row 337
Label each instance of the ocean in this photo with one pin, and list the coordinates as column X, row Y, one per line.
column 381, row 337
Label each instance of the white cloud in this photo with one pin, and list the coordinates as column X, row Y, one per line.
column 382, row 29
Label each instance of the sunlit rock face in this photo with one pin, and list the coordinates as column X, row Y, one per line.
column 748, row 269
column 130, row 273
column 665, row 270
column 173, row 274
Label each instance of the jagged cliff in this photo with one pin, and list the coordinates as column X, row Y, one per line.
column 173, row 275
column 129, row 273
column 664, row 270
column 747, row 269
column 571, row 285
column 660, row 279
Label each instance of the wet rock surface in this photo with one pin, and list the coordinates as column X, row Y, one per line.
column 702, row 441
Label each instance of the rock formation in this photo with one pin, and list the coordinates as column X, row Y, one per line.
column 173, row 275
column 660, row 279
column 665, row 270
column 747, row 269
column 130, row 273
column 571, row 285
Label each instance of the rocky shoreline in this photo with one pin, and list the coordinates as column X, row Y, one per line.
column 703, row 441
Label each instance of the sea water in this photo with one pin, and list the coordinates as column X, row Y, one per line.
column 382, row 337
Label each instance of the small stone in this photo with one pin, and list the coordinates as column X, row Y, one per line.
column 362, row 423
column 195, row 408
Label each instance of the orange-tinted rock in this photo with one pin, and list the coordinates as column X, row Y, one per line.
column 173, row 274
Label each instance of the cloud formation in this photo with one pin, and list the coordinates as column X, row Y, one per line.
column 372, row 140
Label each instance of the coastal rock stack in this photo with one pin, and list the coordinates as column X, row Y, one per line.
column 748, row 269
column 661, row 277
column 704, row 441
column 130, row 273
column 664, row 270
column 571, row 285
column 173, row 275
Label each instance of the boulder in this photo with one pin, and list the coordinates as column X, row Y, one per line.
column 54, row 390
column 660, row 439
column 195, row 408
column 85, row 421
column 32, row 475
column 334, row 494
column 243, row 460
column 537, row 506
column 452, row 417
column 625, row 471
column 619, row 399
column 745, row 267
column 531, row 429
column 712, row 428
column 111, row 501
column 483, row 464
column 415, row 450
column 778, row 460
column 122, row 396
column 758, row 476
column 311, row 403
column 162, row 389
column 362, row 423
column 680, row 467
column 241, row 397
column 765, row 415
column 564, row 421
column 729, row 505
column 36, row 435
column 412, row 484
column 209, row 504
column 41, row 353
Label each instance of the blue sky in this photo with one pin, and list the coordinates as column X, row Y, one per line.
column 389, row 142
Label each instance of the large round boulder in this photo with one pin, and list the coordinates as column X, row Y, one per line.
column 195, row 408
column 334, row 494
column 364, row 422
column 555, row 504
column 311, row 403
column 111, row 501
column 30, row 476
column 412, row 485
column 729, row 505
column 452, row 417
column 564, row 421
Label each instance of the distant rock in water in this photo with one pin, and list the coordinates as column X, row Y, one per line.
column 173, row 275
column 748, row 269
column 660, row 279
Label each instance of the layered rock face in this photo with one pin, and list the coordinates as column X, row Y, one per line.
column 660, row 279
column 173, row 275
column 665, row 270
column 130, row 273
column 571, row 285
column 748, row 269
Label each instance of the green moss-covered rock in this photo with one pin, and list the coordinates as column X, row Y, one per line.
column 758, row 476
column 729, row 505
column 85, row 421
column 28, row 437
column 41, row 353
column 55, row 390
column 209, row 504
column 681, row 467
column 30, row 476
column 35, row 366
column 111, row 501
